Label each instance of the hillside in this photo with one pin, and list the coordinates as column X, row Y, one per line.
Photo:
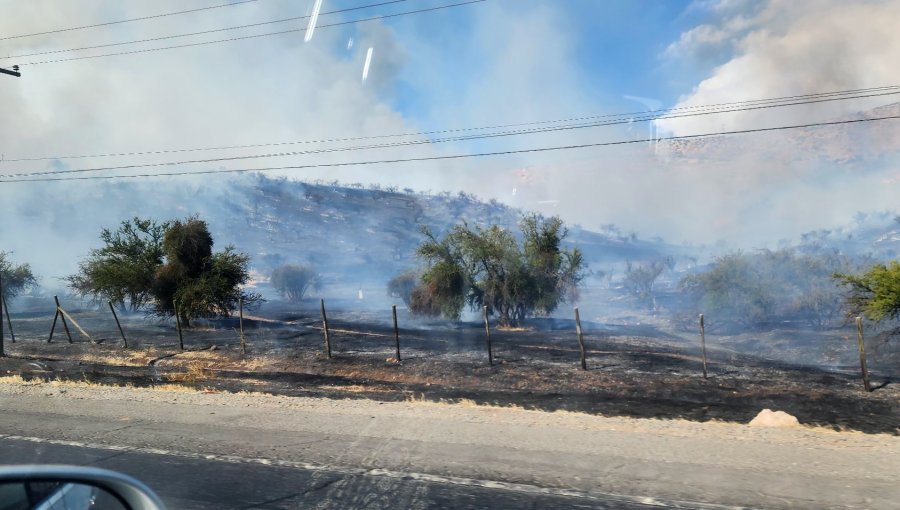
column 361, row 236
column 866, row 142
column 357, row 237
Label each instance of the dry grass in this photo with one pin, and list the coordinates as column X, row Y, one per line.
column 462, row 402
column 259, row 363
column 166, row 387
column 61, row 383
column 513, row 329
column 56, row 383
column 121, row 358
column 195, row 372
column 352, row 388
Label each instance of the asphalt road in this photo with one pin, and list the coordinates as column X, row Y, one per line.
column 184, row 482
column 215, row 450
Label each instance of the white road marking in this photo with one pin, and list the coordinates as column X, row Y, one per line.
column 387, row 473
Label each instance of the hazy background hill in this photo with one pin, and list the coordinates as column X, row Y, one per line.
column 357, row 237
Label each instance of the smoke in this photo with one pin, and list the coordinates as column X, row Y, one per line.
column 504, row 63
column 780, row 48
column 778, row 185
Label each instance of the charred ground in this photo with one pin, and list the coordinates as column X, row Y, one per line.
column 637, row 370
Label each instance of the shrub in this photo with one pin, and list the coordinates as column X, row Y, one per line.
column 293, row 281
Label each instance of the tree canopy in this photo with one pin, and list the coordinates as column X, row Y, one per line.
column 160, row 264
column 124, row 269
column 293, row 281
column 489, row 267
column 874, row 293
column 14, row 278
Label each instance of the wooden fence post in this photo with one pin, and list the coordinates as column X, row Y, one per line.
column 862, row 354
column 116, row 317
column 53, row 327
column 396, row 333
column 65, row 316
column 580, row 339
column 62, row 318
column 12, row 335
column 487, row 331
column 703, row 344
column 241, row 324
column 325, row 329
column 178, row 325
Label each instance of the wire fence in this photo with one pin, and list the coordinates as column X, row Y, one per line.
column 105, row 326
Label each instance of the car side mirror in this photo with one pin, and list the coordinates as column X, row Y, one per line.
column 48, row 487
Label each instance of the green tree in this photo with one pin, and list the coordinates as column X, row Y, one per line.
column 124, row 269
column 488, row 267
column 147, row 263
column 445, row 282
column 874, row 293
column 15, row 278
column 202, row 283
column 402, row 286
column 293, row 281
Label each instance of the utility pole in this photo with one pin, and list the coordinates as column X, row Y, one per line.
column 13, row 72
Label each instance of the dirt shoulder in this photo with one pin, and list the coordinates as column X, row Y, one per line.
column 709, row 462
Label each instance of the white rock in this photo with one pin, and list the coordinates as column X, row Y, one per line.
column 769, row 418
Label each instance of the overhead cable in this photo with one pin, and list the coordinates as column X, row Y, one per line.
column 627, row 117
column 107, row 23
column 451, row 156
column 254, row 36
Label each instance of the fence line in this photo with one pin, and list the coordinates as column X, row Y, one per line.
column 62, row 315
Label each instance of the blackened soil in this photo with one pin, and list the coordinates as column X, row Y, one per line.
column 646, row 376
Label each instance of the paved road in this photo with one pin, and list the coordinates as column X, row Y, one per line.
column 239, row 451
column 187, row 482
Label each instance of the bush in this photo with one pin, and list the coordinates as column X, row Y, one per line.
column 402, row 286
column 293, row 281
column 753, row 290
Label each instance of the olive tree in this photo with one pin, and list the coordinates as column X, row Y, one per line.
column 489, row 267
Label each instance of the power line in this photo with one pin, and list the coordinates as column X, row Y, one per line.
column 429, row 141
column 267, row 34
column 236, row 27
column 125, row 20
column 837, row 95
column 453, row 156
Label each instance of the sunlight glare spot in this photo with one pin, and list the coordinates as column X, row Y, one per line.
column 313, row 19
column 366, row 66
